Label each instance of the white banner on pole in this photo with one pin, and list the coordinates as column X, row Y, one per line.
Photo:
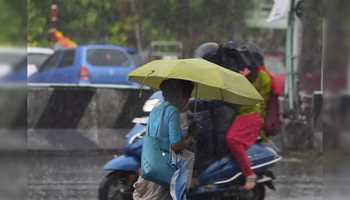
column 279, row 10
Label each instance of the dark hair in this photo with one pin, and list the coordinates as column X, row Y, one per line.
column 238, row 55
column 231, row 57
column 171, row 87
column 253, row 53
column 213, row 57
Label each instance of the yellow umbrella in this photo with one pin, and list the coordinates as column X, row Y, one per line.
column 212, row 82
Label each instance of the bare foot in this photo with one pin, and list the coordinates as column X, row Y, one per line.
column 250, row 182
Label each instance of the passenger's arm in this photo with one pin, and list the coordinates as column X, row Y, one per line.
column 177, row 147
column 177, row 142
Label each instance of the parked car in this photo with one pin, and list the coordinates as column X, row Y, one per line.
column 88, row 65
column 165, row 50
column 9, row 58
column 11, row 69
column 36, row 56
column 16, row 64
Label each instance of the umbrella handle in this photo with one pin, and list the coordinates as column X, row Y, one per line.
column 143, row 81
column 195, row 103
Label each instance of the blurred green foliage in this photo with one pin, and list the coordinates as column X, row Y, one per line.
column 115, row 21
column 13, row 19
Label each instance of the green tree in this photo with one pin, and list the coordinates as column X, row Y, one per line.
column 13, row 22
column 85, row 21
column 38, row 22
column 127, row 22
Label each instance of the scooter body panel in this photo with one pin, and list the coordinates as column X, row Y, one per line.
column 225, row 168
column 133, row 143
column 123, row 163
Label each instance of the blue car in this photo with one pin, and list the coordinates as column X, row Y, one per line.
column 88, row 65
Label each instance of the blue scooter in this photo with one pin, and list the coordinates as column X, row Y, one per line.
column 221, row 179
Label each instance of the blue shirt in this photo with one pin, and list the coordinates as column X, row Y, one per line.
column 170, row 132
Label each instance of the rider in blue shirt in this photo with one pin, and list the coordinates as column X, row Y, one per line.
column 176, row 94
column 170, row 131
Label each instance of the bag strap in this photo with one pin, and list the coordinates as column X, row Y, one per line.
column 161, row 121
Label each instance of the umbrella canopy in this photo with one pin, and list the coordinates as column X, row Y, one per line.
column 212, row 82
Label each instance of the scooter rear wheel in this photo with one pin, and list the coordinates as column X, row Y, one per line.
column 115, row 186
column 258, row 193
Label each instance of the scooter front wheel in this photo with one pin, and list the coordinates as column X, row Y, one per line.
column 116, row 186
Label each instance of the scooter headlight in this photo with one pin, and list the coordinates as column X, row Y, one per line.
column 140, row 120
column 150, row 104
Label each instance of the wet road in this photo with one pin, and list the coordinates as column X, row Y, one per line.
column 75, row 176
column 66, row 175
column 298, row 180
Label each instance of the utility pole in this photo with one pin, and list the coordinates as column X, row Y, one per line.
column 297, row 44
column 290, row 56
